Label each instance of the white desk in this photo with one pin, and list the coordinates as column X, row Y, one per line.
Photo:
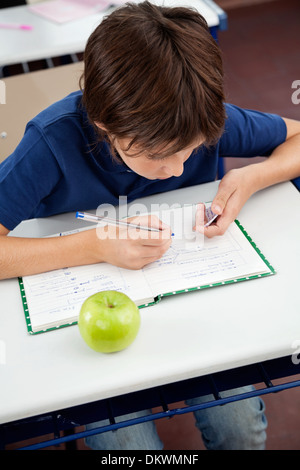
column 181, row 337
column 48, row 39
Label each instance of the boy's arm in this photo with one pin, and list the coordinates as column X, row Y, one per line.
column 25, row 256
column 22, row 256
column 239, row 184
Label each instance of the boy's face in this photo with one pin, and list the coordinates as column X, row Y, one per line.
column 153, row 167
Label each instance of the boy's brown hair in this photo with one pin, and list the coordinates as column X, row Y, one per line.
column 154, row 75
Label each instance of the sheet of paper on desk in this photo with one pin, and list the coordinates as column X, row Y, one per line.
column 62, row 11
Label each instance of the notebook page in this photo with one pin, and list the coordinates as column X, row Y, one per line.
column 55, row 298
column 194, row 261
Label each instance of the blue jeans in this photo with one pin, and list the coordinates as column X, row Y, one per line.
column 239, row 425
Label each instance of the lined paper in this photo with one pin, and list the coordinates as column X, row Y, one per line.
column 55, row 298
column 188, row 264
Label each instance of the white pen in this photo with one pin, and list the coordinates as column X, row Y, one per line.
column 111, row 221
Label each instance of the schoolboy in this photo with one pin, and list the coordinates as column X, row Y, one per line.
column 151, row 118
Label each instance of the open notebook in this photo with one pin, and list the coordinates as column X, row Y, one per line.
column 53, row 299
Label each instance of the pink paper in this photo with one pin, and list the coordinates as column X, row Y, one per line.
column 62, row 11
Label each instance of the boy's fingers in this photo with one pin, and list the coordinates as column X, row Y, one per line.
column 220, row 200
column 149, row 237
column 151, row 221
column 219, row 227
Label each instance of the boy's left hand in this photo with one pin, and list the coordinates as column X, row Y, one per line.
column 234, row 190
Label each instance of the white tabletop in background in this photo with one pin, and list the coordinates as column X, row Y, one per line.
column 48, row 39
column 181, row 337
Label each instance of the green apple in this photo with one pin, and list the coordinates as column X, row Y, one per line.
column 109, row 321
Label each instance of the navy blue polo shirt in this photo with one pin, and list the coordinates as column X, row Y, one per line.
column 60, row 167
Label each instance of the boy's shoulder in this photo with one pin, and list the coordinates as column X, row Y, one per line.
column 68, row 107
column 249, row 133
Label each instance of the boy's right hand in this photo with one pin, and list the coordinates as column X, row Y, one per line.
column 132, row 248
column 127, row 248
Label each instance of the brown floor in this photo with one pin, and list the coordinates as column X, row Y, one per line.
column 262, row 58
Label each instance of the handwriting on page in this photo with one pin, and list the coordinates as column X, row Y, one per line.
column 216, row 259
column 63, row 291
